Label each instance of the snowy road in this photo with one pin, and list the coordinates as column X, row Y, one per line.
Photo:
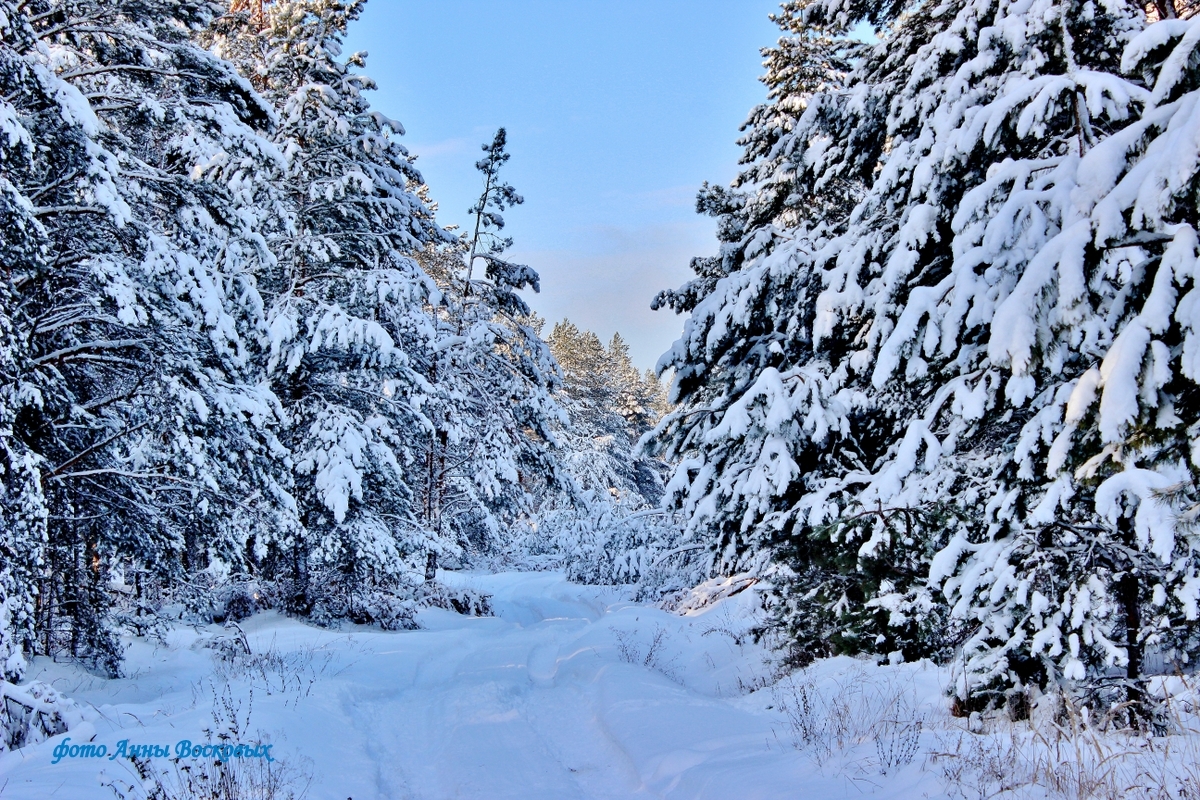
column 559, row 696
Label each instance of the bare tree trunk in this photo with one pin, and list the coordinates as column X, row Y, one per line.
column 434, row 493
column 1129, row 596
column 255, row 7
column 1165, row 9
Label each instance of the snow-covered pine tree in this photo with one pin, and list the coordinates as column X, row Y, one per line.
column 965, row 370
column 631, row 401
column 149, row 429
column 346, row 311
column 23, row 250
column 611, row 530
column 655, row 391
column 761, row 432
column 603, row 395
column 22, row 502
column 1091, row 561
column 492, row 445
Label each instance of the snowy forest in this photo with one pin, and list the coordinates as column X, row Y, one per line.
column 935, row 405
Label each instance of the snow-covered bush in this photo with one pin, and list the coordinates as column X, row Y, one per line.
column 460, row 599
column 396, row 609
column 389, row 611
column 610, row 541
column 33, row 713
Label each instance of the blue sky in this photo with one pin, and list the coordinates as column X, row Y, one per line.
column 617, row 111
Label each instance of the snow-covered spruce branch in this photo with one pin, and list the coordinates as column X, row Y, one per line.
column 47, row 211
column 92, row 449
column 87, row 347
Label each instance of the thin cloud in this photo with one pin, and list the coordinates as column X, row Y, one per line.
column 446, row 147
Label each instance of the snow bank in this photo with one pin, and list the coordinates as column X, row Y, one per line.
column 568, row 692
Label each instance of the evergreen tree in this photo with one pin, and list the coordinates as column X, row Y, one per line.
column 949, row 381
column 760, row 422
column 490, row 449
column 654, row 390
column 604, row 398
column 23, row 250
column 346, row 312
column 220, row 360
column 631, row 400
column 141, row 419
column 1093, row 562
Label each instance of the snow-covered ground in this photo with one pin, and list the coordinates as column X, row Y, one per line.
column 569, row 692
